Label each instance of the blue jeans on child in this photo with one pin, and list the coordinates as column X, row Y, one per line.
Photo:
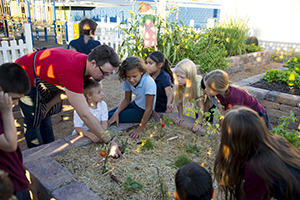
column 131, row 114
column 22, row 194
column 41, row 134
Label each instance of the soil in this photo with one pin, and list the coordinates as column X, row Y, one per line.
column 113, row 95
column 274, row 86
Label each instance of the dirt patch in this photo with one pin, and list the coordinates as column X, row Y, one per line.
column 153, row 168
column 274, row 86
column 113, row 95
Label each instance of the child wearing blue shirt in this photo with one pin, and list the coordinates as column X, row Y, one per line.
column 136, row 80
column 159, row 70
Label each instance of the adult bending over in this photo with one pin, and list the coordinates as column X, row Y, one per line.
column 252, row 163
column 66, row 70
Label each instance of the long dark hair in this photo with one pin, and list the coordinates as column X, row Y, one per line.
column 244, row 137
column 159, row 57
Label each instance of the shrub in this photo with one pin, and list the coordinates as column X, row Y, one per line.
column 232, row 34
column 253, row 48
column 282, row 56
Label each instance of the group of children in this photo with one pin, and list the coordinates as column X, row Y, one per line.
column 251, row 163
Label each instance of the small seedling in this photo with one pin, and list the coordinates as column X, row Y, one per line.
column 193, row 149
column 147, row 144
column 181, row 160
column 124, row 145
column 132, row 185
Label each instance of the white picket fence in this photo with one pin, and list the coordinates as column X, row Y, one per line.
column 11, row 50
column 108, row 34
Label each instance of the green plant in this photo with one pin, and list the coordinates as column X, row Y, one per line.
column 181, row 160
column 132, row 185
column 231, row 34
column 281, row 130
column 146, row 145
column 289, row 77
column 124, row 145
column 176, row 42
column 294, row 64
column 193, row 149
column 283, row 56
column 253, row 48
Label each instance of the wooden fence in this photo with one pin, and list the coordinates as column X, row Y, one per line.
column 12, row 50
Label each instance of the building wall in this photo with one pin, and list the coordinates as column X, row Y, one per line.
column 269, row 20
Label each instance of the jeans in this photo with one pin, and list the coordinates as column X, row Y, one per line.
column 41, row 134
column 22, row 194
column 131, row 114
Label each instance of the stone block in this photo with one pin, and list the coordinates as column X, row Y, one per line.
column 272, row 96
column 287, row 108
column 74, row 190
column 46, row 175
column 294, row 125
column 273, row 120
column 288, row 99
column 269, row 104
column 123, row 126
column 277, row 113
column 46, row 150
column 78, row 140
column 257, row 92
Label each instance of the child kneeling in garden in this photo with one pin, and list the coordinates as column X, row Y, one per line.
column 217, row 84
column 252, row 163
column 94, row 96
column 136, row 80
column 187, row 88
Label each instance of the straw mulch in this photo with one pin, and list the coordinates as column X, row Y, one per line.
column 86, row 164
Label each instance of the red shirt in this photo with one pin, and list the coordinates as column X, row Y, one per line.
column 236, row 96
column 12, row 162
column 60, row 67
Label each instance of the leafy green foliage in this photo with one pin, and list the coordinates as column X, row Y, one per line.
column 193, row 149
column 282, row 56
column 132, row 185
column 124, row 145
column 230, row 34
column 176, row 42
column 281, row 130
column 253, row 48
column 147, row 144
column 181, row 160
column 290, row 77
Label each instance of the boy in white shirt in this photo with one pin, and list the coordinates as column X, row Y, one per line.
column 94, row 96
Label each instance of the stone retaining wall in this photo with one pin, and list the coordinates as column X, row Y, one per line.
column 256, row 59
column 277, row 104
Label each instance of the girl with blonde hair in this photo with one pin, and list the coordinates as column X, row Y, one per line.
column 187, row 88
column 217, row 84
column 252, row 163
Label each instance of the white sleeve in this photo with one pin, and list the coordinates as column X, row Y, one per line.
column 77, row 120
column 104, row 112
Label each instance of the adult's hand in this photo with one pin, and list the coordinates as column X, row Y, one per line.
column 114, row 150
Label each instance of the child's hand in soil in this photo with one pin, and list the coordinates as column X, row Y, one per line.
column 113, row 119
column 114, row 150
column 196, row 128
column 178, row 121
column 135, row 134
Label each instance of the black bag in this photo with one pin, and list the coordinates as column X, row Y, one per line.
column 44, row 93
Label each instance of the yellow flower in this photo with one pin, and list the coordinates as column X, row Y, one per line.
column 281, row 57
column 197, row 36
column 275, row 59
column 297, row 68
column 227, row 39
column 188, row 114
column 168, row 193
column 295, row 59
column 292, row 77
column 206, row 35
